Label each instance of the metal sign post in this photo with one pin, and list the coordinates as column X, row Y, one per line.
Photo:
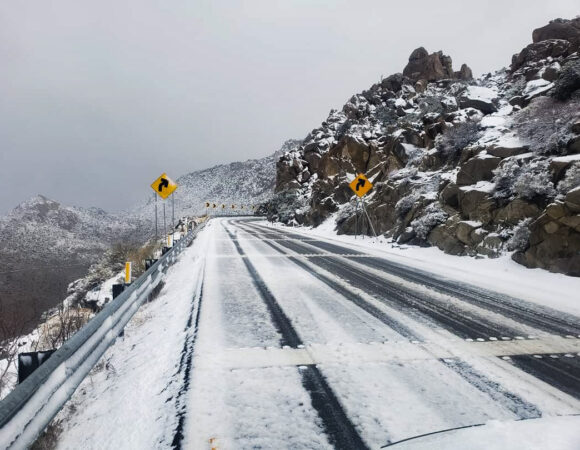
column 361, row 186
column 164, row 222
column 156, row 232
column 164, row 187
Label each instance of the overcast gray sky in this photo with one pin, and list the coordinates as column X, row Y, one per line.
column 97, row 98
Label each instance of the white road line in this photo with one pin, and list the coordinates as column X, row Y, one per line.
column 361, row 353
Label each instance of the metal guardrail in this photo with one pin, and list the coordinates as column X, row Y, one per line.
column 30, row 407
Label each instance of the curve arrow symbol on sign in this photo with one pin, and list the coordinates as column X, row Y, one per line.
column 361, row 183
column 164, row 183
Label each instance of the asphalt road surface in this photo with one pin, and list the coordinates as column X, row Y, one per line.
column 299, row 342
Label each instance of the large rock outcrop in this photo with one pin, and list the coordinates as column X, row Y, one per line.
column 568, row 30
column 433, row 67
column 474, row 167
column 560, row 38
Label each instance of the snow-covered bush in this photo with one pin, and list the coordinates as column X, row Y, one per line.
column 535, row 181
column 520, row 239
column 433, row 216
column 405, row 204
column 284, row 204
column 569, row 81
column 456, row 138
column 504, row 178
column 571, row 179
column 528, row 181
column 544, row 124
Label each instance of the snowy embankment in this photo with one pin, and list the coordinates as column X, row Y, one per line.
column 500, row 274
column 128, row 400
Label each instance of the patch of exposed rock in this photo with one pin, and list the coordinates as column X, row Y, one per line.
column 433, row 67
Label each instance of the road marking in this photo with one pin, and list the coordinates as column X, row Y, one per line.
column 362, row 353
column 279, row 255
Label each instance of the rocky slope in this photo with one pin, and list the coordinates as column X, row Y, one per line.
column 473, row 167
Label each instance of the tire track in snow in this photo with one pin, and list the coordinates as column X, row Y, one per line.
column 509, row 400
column 560, row 371
column 186, row 362
column 536, row 316
column 392, row 323
column 455, row 321
column 340, row 431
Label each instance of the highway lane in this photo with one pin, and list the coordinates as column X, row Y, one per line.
column 303, row 343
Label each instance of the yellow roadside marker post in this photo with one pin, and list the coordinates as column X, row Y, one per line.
column 128, row 272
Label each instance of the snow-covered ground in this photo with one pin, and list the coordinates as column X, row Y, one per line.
column 128, row 401
column 243, row 389
column 500, row 274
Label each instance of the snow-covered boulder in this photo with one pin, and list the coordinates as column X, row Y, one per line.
column 481, row 98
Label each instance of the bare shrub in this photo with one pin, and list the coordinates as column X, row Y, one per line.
column 433, row 216
column 568, row 81
column 455, row 139
column 571, row 180
column 48, row 439
column 520, row 239
column 544, row 124
column 126, row 251
column 58, row 328
column 528, row 181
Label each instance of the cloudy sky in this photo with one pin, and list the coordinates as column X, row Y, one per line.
column 97, row 98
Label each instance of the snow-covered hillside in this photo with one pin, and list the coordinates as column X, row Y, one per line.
column 473, row 166
column 241, row 183
column 45, row 245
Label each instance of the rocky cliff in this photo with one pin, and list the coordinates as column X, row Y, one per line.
column 480, row 166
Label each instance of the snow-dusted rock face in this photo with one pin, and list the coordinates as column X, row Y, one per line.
column 471, row 166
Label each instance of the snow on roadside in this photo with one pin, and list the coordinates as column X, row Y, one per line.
column 502, row 275
column 126, row 400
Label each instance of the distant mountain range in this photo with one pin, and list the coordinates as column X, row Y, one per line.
column 45, row 245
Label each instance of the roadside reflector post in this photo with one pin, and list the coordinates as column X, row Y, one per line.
column 128, row 266
column 117, row 289
column 30, row 361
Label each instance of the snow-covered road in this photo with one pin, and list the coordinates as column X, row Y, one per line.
column 284, row 340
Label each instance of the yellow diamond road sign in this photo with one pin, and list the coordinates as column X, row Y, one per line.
column 361, row 185
column 164, row 186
